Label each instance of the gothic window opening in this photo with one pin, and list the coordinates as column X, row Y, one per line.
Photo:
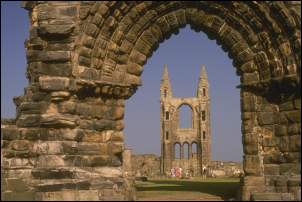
column 204, row 91
column 204, row 135
column 167, row 135
column 194, row 149
column 167, row 115
column 203, row 115
column 186, row 150
column 165, row 93
column 176, row 151
column 185, row 116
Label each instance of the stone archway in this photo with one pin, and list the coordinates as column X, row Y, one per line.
column 85, row 58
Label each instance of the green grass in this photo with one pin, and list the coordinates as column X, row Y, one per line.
column 225, row 188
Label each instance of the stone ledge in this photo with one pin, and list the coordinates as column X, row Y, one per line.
column 272, row 196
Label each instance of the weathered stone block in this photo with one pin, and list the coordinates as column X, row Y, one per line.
column 89, row 73
column 248, row 104
column 274, row 158
column 292, row 157
column 49, row 56
column 100, row 183
column 28, row 121
column 297, row 103
column 21, row 163
column 109, row 172
column 21, row 145
column 72, row 134
column 138, row 57
column 59, row 96
column 86, row 124
column 67, row 107
column 30, row 133
column 118, row 113
column 49, row 30
column 55, row 69
column 266, row 118
column 119, row 125
column 250, row 78
column 117, row 148
column 53, row 161
column 135, row 69
column 295, row 143
column 88, row 195
column 117, row 136
column 87, row 148
column 16, row 185
column 251, row 165
column 70, row 147
column 87, row 161
column 58, row 186
column 52, row 173
column 283, row 143
column 7, row 153
column 54, row 83
column 92, row 137
column 271, row 169
column 90, row 110
column 258, row 196
column 290, row 169
column 280, row 118
column 32, row 107
column 286, row 106
column 58, row 120
column 280, row 130
column 294, row 116
column 9, row 133
column 269, row 142
column 116, row 160
column 101, row 125
column 19, row 196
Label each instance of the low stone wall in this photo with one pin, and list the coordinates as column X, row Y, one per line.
column 147, row 165
column 225, row 169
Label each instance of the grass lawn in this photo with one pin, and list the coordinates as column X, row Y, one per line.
column 189, row 189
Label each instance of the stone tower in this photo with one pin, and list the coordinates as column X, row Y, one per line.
column 195, row 141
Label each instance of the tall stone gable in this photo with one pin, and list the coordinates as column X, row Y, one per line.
column 194, row 143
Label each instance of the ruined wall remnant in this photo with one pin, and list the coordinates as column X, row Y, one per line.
column 194, row 142
column 146, row 165
column 85, row 58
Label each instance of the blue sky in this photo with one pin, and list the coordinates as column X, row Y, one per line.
column 183, row 53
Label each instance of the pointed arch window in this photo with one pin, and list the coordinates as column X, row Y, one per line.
column 203, row 115
column 177, row 154
column 194, row 150
column 204, row 92
column 185, row 116
column 167, row 115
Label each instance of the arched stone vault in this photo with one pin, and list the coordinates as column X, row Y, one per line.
column 261, row 38
column 85, row 58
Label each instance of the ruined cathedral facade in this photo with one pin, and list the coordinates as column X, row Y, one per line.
column 186, row 148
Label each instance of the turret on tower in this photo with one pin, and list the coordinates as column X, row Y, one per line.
column 203, row 84
column 165, row 85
